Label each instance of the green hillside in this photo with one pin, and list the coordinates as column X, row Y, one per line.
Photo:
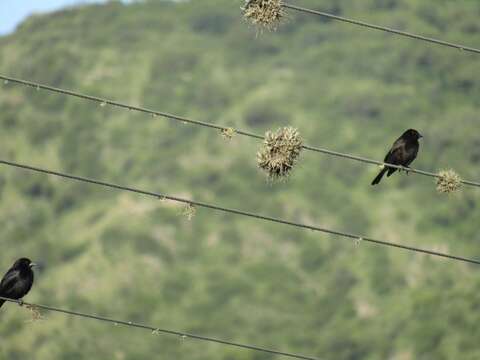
column 135, row 258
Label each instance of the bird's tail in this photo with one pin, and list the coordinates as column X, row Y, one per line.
column 379, row 176
column 1, row 302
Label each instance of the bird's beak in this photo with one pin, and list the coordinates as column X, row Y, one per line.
column 32, row 264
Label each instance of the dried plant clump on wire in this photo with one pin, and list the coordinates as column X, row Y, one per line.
column 189, row 211
column 448, row 181
column 266, row 14
column 35, row 313
column 280, row 152
column 228, row 133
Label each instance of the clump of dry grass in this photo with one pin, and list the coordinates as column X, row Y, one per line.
column 228, row 133
column 189, row 211
column 280, row 152
column 448, row 181
column 35, row 313
column 266, row 14
column 357, row 241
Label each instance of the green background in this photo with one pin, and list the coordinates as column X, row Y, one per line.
column 136, row 258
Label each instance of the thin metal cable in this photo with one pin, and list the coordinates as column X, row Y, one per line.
column 238, row 212
column 155, row 330
column 214, row 126
column 382, row 28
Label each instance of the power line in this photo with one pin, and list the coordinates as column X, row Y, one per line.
column 155, row 330
column 382, row 28
column 103, row 101
column 356, row 238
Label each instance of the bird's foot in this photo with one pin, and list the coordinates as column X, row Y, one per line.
column 20, row 302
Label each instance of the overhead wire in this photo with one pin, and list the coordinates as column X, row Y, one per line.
column 382, row 28
column 356, row 238
column 183, row 119
column 156, row 330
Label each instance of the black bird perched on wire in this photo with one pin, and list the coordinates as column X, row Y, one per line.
column 18, row 281
column 404, row 150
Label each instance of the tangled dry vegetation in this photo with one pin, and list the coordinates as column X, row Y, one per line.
column 448, row 181
column 266, row 14
column 280, row 152
column 189, row 211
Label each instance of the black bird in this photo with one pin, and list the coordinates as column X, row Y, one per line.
column 17, row 282
column 403, row 152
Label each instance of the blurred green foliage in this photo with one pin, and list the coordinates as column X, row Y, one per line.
column 134, row 258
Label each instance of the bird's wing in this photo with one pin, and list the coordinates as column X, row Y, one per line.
column 412, row 154
column 398, row 146
column 8, row 282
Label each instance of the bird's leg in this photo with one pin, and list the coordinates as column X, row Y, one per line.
column 20, row 302
column 407, row 169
